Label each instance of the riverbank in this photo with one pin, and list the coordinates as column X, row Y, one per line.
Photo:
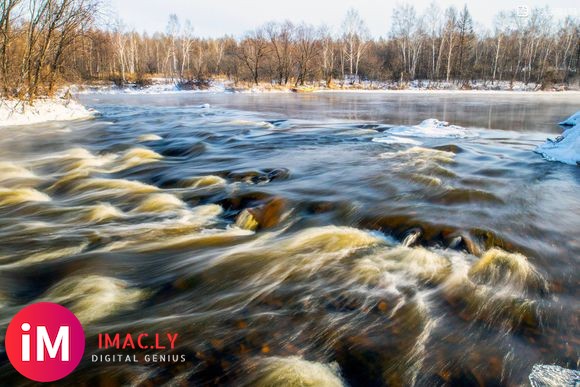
column 16, row 112
column 164, row 85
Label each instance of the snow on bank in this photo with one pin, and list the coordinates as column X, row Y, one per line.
column 159, row 87
column 573, row 120
column 565, row 148
column 14, row 112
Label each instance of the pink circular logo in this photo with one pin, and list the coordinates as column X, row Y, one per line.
column 45, row 342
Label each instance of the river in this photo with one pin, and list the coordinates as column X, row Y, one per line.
column 339, row 236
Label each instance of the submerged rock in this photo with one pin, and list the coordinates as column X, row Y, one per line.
column 260, row 177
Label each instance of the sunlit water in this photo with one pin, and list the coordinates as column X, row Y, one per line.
column 291, row 238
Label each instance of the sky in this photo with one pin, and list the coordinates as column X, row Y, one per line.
column 214, row 18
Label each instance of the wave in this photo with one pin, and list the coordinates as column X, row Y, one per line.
column 396, row 140
column 94, row 297
column 293, row 371
column 501, row 289
column 149, row 137
column 49, row 255
column 113, row 186
column 10, row 170
column 102, row 212
column 9, row 197
column 160, row 202
column 203, row 181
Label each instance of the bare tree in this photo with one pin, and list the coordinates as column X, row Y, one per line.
column 253, row 49
column 7, row 8
column 465, row 29
column 354, row 41
column 306, row 42
column 407, row 32
column 433, row 19
column 450, row 32
column 328, row 51
column 280, row 36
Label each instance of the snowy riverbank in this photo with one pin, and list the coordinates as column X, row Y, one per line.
column 164, row 86
column 566, row 147
column 15, row 112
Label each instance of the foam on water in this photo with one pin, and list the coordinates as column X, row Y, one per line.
column 419, row 155
column 149, row 242
column 293, row 371
column 394, row 266
column 204, row 181
column 501, row 289
column 160, row 202
column 136, row 156
column 48, row 255
column 102, row 212
column 396, row 140
column 497, row 267
column 17, row 196
column 10, row 170
column 420, row 165
column 174, row 233
column 113, row 186
column 544, row 375
column 94, row 297
column 149, row 137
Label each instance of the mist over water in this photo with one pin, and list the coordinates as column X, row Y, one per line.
column 289, row 239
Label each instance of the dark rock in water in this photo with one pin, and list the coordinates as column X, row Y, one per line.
column 264, row 216
column 183, row 149
column 359, row 366
column 116, row 148
column 449, row 148
column 245, row 200
column 278, row 174
column 463, row 241
column 367, row 126
column 463, row 377
column 260, row 177
column 471, row 245
column 277, row 122
column 412, row 237
column 553, row 375
column 321, row 207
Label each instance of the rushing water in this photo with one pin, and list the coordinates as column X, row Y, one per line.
column 289, row 238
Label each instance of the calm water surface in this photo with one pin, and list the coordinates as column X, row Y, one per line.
column 283, row 234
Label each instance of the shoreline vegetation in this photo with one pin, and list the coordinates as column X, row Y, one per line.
column 47, row 44
column 221, row 84
column 51, row 50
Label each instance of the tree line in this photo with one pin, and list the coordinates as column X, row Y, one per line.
column 44, row 43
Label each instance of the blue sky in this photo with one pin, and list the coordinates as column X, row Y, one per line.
column 235, row 17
